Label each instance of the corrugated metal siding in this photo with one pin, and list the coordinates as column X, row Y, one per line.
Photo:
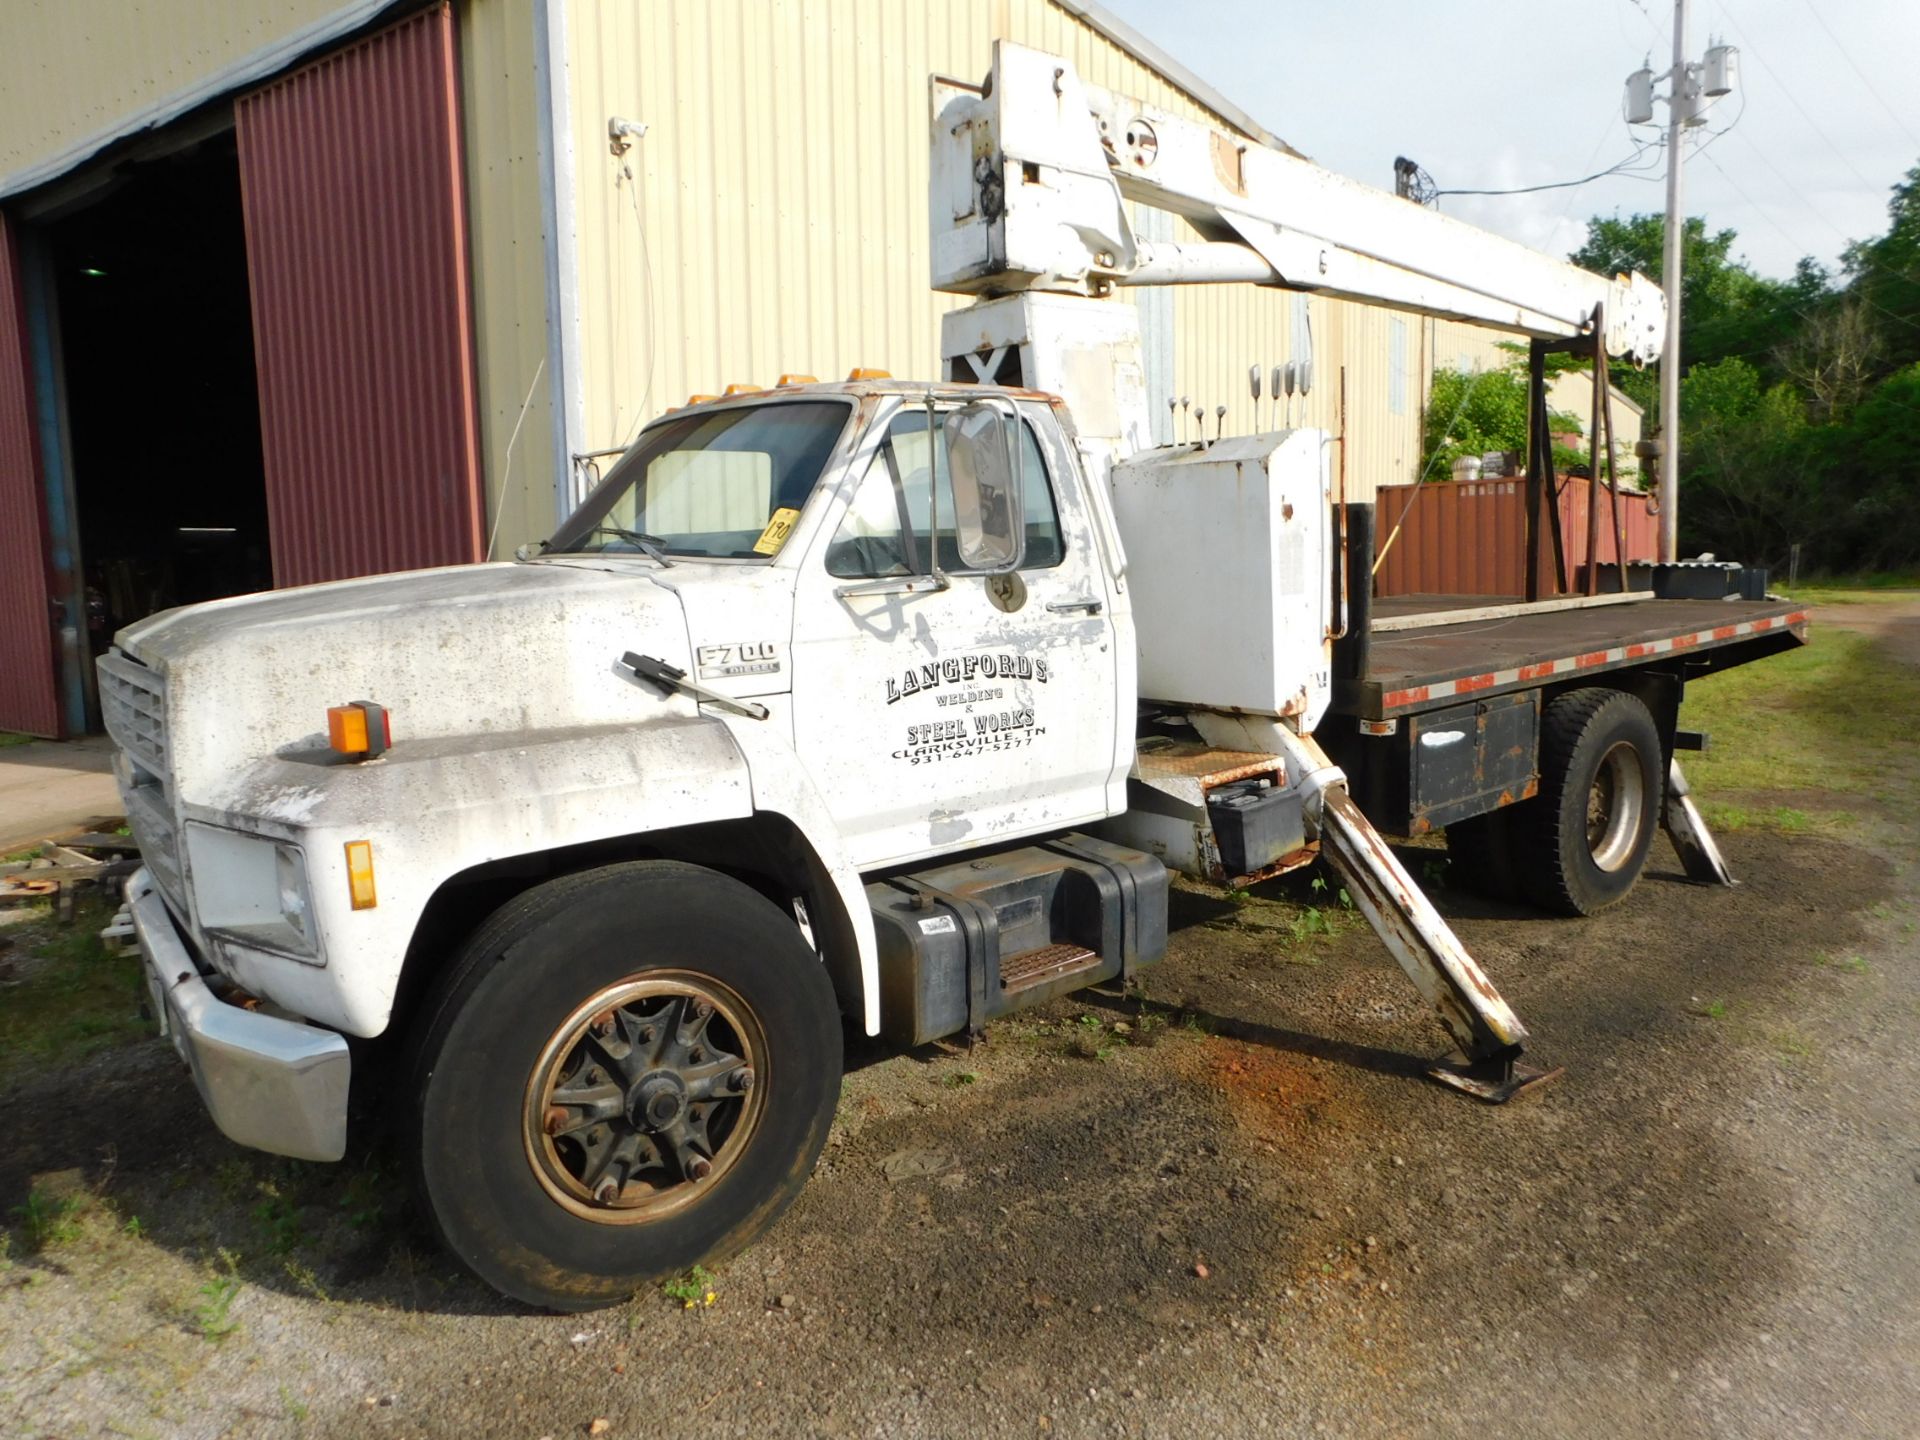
column 777, row 216
column 356, row 247
column 1469, row 537
column 28, row 691
column 775, row 220
column 500, row 111
column 80, row 73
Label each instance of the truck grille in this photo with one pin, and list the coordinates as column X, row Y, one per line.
column 133, row 702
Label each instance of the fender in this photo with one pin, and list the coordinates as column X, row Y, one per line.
column 435, row 808
column 783, row 786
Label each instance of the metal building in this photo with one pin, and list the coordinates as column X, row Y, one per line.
column 294, row 290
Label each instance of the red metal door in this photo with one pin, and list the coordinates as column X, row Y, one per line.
column 29, row 675
column 350, row 173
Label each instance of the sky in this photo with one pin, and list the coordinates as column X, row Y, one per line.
column 1497, row 94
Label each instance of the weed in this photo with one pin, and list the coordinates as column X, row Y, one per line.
column 280, row 1218
column 1433, row 874
column 1146, row 1029
column 365, row 1199
column 1712, row 1010
column 296, row 1408
column 693, row 1288
column 1791, row 1044
column 10, row 738
column 212, row 1314
column 1857, row 964
column 6, row 1251
column 1239, row 897
column 959, row 1078
column 135, row 1227
column 308, row 1282
column 49, row 1220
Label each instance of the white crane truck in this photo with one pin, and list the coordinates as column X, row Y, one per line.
column 885, row 701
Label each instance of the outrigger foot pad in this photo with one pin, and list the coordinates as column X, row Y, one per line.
column 1495, row 1080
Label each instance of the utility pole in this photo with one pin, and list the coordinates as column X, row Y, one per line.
column 1690, row 88
column 1679, row 110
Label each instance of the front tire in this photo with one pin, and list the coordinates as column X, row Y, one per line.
column 626, row 1072
column 1584, row 838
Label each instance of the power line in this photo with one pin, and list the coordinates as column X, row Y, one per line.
column 1872, row 89
column 1812, row 124
column 1621, row 168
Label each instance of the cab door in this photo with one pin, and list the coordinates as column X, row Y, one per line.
column 940, row 716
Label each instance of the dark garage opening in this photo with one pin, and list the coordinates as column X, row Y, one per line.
column 162, row 410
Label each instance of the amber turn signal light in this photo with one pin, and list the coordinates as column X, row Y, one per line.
column 361, row 729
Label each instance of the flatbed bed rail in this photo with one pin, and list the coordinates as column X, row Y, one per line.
column 1409, row 670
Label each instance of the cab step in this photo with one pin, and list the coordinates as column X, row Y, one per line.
column 1049, row 962
column 965, row 942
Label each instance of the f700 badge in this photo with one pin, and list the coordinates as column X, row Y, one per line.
column 754, row 657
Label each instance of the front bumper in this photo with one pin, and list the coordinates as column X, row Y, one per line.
column 271, row 1084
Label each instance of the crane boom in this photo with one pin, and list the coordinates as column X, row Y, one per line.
column 1031, row 172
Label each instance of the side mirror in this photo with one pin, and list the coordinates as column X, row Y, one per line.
column 989, row 526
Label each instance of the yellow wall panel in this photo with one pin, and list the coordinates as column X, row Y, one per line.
column 81, row 73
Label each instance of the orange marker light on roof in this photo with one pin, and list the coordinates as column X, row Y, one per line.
column 361, row 730
column 700, row 399
column 793, row 377
column 360, row 874
column 867, row 372
column 739, row 389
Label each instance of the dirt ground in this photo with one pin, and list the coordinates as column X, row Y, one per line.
column 1244, row 1212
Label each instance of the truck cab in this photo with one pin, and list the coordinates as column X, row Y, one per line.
column 797, row 643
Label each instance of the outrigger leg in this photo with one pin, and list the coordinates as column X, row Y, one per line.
column 1687, row 828
column 1489, row 1035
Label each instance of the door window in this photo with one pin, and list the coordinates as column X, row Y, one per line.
column 886, row 528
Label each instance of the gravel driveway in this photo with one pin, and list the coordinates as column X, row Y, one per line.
column 1234, row 1208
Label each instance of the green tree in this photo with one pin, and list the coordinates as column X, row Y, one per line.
column 1473, row 412
column 1884, row 273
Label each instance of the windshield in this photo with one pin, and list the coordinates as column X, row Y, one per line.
column 728, row 484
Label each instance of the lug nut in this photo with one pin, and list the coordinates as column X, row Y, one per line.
column 699, row 1168
column 743, row 1079
column 555, row 1118
column 646, row 1034
column 603, row 1023
column 607, row 1193
column 702, row 1009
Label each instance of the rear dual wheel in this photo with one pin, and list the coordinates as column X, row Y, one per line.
column 626, row 1072
column 1581, row 843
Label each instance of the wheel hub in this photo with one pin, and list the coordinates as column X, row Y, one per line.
column 644, row 1096
column 657, row 1101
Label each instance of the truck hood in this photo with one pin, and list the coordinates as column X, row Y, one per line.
column 471, row 650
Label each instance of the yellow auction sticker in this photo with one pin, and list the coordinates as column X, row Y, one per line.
column 777, row 531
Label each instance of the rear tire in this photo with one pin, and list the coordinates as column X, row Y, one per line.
column 1581, row 844
column 625, row 1073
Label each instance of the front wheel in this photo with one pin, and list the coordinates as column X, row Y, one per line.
column 626, row 1072
column 1584, row 838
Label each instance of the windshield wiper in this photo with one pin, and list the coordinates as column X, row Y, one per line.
column 653, row 545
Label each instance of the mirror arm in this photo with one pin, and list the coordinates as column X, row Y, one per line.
column 936, row 439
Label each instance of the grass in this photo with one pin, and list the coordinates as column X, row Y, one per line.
column 9, row 738
column 49, row 1221
column 76, row 998
column 1835, row 716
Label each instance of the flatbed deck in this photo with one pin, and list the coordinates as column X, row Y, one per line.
column 1417, row 669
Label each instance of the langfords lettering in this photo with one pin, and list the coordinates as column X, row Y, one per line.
column 960, row 669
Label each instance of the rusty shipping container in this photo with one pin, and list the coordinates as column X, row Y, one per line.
column 1469, row 537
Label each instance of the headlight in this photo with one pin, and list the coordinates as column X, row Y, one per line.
column 252, row 890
